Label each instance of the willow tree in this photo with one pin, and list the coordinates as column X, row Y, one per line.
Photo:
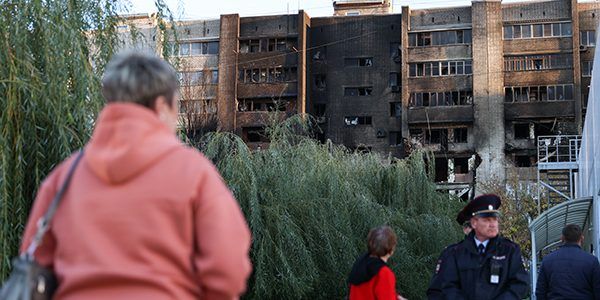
column 52, row 54
column 310, row 206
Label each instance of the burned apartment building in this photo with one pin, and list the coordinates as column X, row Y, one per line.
column 485, row 81
column 475, row 84
column 264, row 70
column 354, row 80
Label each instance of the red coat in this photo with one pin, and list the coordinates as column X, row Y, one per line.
column 381, row 287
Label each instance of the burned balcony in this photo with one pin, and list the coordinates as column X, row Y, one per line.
column 539, row 102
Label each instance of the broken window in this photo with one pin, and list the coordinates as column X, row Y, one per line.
column 395, row 138
column 444, row 68
column 319, row 54
column 524, row 161
column 320, row 109
column 357, row 120
column 521, row 131
column 291, row 74
column 436, row 136
column 396, row 109
column 365, row 91
column 254, row 134
column 393, row 79
column 365, row 62
column 424, row 39
column 460, row 135
column 350, row 91
column 358, row 91
column 254, row 46
column 320, row 81
column 394, row 50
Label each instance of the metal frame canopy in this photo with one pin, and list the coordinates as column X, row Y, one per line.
column 546, row 229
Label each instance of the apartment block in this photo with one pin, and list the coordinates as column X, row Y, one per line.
column 475, row 84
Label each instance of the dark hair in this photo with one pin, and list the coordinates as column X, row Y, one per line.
column 381, row 241
column 572, row 233
column 139, row 78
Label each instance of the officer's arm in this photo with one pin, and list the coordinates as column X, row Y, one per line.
column 541, row 288
column 435, row 285
column 517, row 284
column 450, row 278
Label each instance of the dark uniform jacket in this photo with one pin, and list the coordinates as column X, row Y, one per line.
column 497, row 274
column 569, row 273
column 434, row 292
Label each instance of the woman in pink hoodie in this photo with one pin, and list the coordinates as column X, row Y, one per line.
column 145, row 217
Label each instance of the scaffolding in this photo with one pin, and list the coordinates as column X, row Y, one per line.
column 557, row 169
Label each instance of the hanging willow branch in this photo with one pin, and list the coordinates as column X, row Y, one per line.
column 52, row 54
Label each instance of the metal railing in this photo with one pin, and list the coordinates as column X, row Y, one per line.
column 558, row 148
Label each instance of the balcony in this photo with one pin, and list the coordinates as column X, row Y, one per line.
column 440, row 114
column 543, row 109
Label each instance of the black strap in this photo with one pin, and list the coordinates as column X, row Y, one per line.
column 43, row 222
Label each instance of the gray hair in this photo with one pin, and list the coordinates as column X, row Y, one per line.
column 139, row 78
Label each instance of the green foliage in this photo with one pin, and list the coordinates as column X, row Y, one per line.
column 311, row 205
column 52, row 54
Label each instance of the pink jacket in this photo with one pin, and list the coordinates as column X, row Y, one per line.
column 145, row 217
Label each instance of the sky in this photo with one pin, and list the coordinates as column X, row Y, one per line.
column 212, row 9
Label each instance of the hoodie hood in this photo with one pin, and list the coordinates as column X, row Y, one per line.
column 365, row 268
column 128, row 138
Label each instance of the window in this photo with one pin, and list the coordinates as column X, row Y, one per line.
column 444, row 68
column 393, row 82
column 521, row 131
column 396, row 109
column 586, row 68
column 358, row 120
column 213, row 48
column 538, row 62
column 271, row 75
column 358, row 91
column 436, row 136
column 320, row 81
column 441, row 99
column 538, row 30
column 199, row 48
column 538, row 93
column 395, row 138
column 358, row 62
column 184, row 49
column 525, row 31
column 460, row 135
column 394, row 50
column 254, row 135
column 508, row 32
column 437, row 38
column 588, row 38
column 191, row 78
column 528, row 31
column 214, row 79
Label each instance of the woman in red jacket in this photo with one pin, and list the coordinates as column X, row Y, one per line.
column 371, row 278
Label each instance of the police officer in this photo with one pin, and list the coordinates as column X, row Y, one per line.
column 484, row 265
column 434, row 292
